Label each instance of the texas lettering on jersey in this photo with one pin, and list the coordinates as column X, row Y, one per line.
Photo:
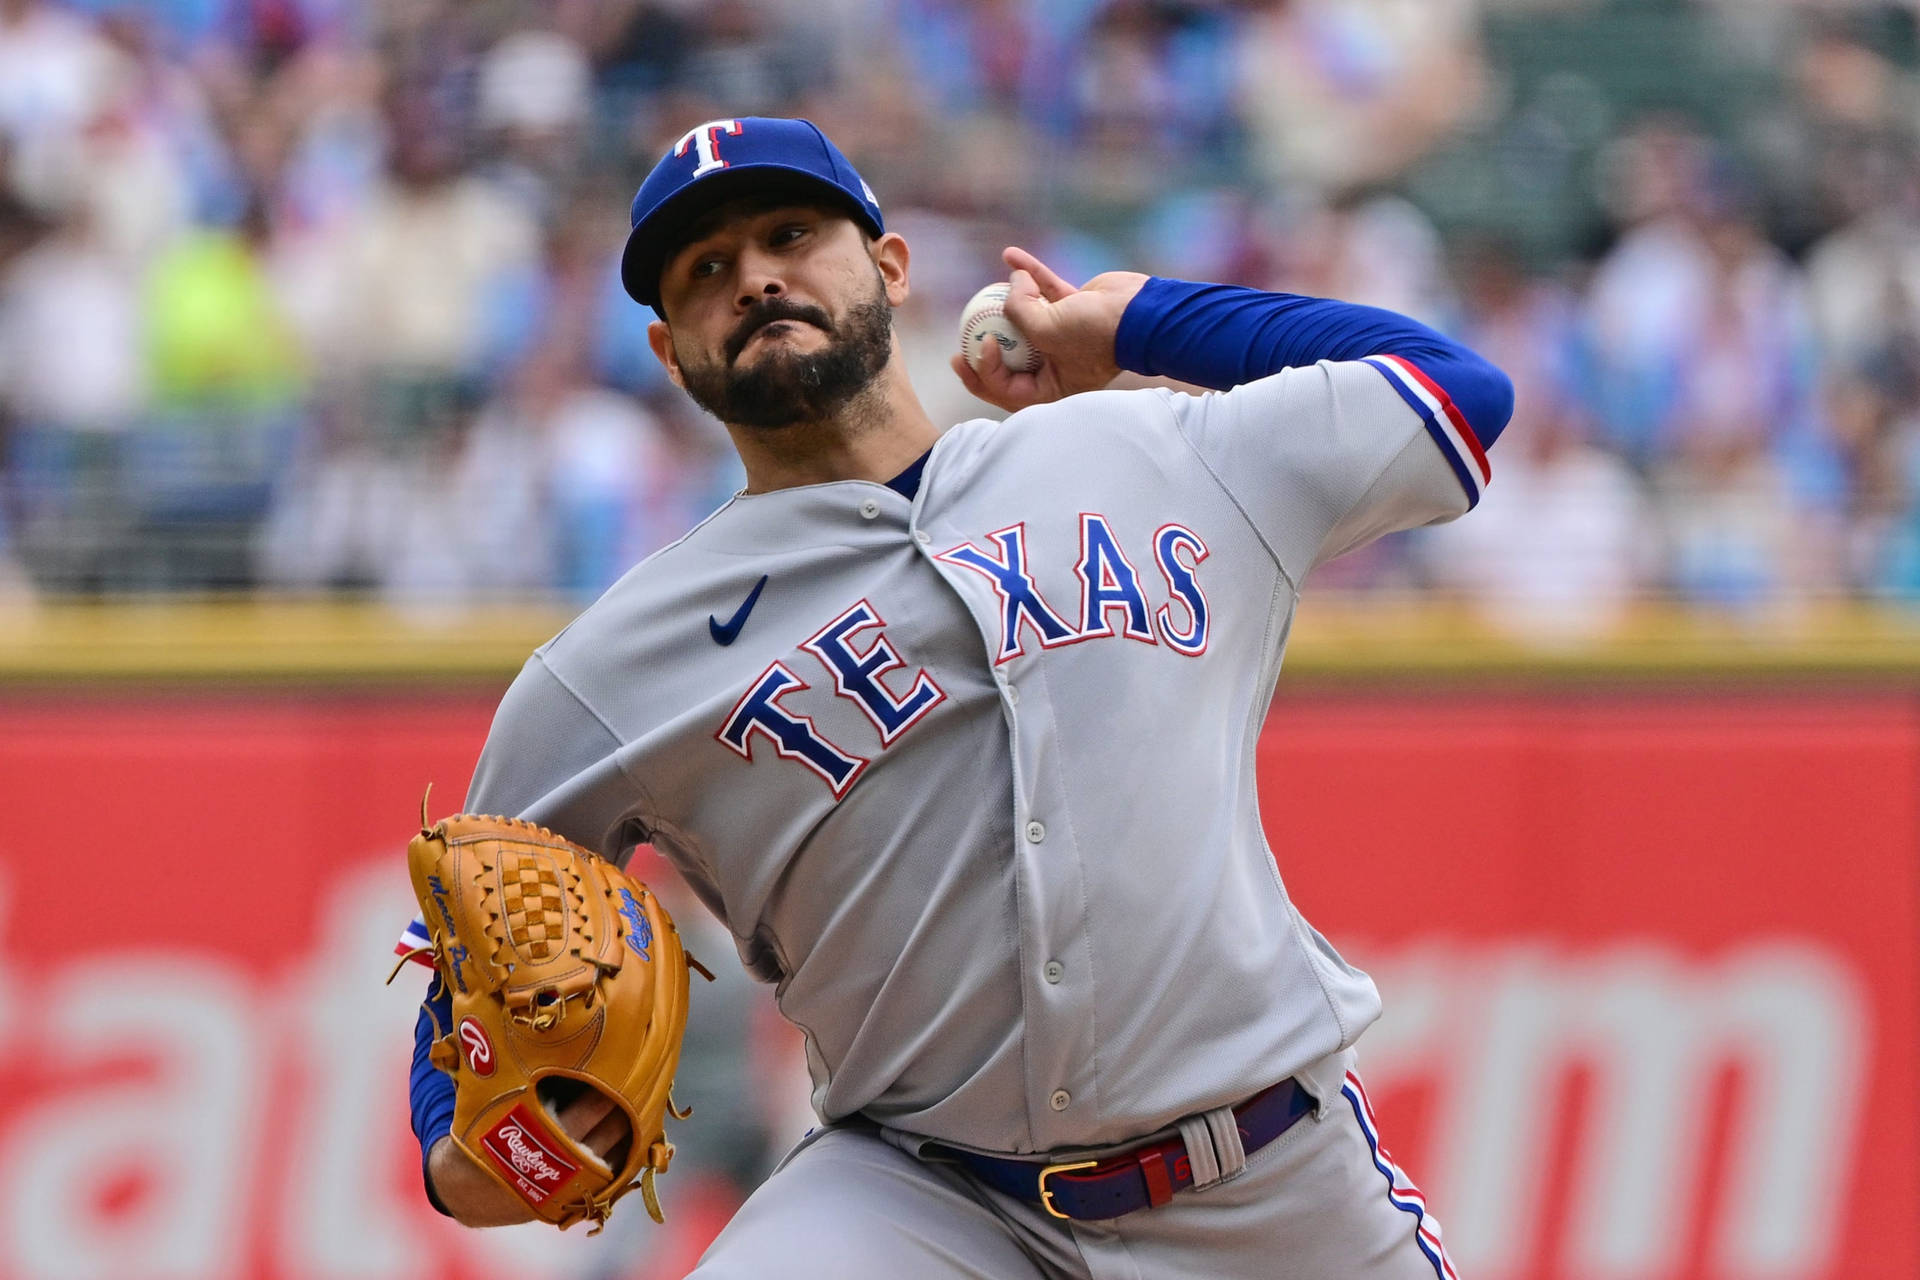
column 1112, row 603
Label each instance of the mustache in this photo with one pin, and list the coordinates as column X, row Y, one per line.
column 767, row 312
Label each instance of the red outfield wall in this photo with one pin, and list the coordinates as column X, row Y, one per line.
column 1652, row 966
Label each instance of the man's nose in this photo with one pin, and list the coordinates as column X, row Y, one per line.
column 760, row 278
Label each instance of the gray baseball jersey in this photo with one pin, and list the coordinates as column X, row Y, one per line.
column 970, row 777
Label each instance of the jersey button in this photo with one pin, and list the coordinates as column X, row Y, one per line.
column 1013, row 695
column 869, row 509
column 1036, row 832
column 922, row 537
column 1055, row 971
column 1060, row 1100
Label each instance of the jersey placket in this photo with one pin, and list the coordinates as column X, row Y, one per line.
column 1056, row 960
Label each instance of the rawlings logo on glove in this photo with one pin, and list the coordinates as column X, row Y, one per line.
column 518, row 1151
column 566, row 973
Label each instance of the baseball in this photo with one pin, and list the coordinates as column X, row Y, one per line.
column 985, row 320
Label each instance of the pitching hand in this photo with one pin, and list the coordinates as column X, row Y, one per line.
column 1072, row 329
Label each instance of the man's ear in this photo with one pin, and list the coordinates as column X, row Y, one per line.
column 890, row 255
column 660, row 338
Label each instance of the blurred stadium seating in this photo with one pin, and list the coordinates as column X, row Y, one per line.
column 283, row 281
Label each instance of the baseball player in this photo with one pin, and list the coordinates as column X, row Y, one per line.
column 955, row 731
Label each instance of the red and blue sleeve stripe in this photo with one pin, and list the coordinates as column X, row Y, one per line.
column 1445, row 422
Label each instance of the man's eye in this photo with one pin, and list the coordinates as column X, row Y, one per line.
column 706, row 268
column 787, row 235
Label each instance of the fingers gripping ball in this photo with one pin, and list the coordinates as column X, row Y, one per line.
column 566, row 974
column 985, row 320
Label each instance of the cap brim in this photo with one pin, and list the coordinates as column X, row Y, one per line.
column 655, row 238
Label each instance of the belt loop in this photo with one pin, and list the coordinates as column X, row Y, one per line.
column 1200, row 1157
column 1202, row 1154
column 1228, row 1150
column 1214, row 1150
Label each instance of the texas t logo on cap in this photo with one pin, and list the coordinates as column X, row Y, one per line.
column 721, row 159
column 705, row 141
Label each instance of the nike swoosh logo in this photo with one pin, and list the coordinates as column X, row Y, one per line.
column 727, row 632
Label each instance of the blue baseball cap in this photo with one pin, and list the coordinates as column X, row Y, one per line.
column 719, row 160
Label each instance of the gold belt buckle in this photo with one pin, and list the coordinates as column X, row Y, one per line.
column 1046, row 1196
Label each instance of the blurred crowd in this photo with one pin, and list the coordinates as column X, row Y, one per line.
column 321, row 294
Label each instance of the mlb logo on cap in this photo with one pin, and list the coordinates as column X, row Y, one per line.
column 721, row 159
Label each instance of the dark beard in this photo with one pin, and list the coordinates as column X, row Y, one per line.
column 785, row 388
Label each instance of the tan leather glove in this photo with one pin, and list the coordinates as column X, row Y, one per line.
column 565, row 972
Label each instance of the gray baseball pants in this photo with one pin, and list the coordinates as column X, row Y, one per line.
column 1320, row 1202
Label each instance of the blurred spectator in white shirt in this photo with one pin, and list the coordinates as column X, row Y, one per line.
column 1563, row 541
column 1863, row 278
column 418, row 259
column 953, row 258
column 101, row 124
column 1341, row 94
column 499, row 468
column 534, row 101
column 1383, row 252
column 338, row 514
column 73, row 379
column 1556, row 551
column 70, row 333
column 1378, row 252
column 55, row 72
column 574, row 484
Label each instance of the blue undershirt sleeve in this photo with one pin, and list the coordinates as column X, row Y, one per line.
column 1221, row 336
column 429, row 1089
